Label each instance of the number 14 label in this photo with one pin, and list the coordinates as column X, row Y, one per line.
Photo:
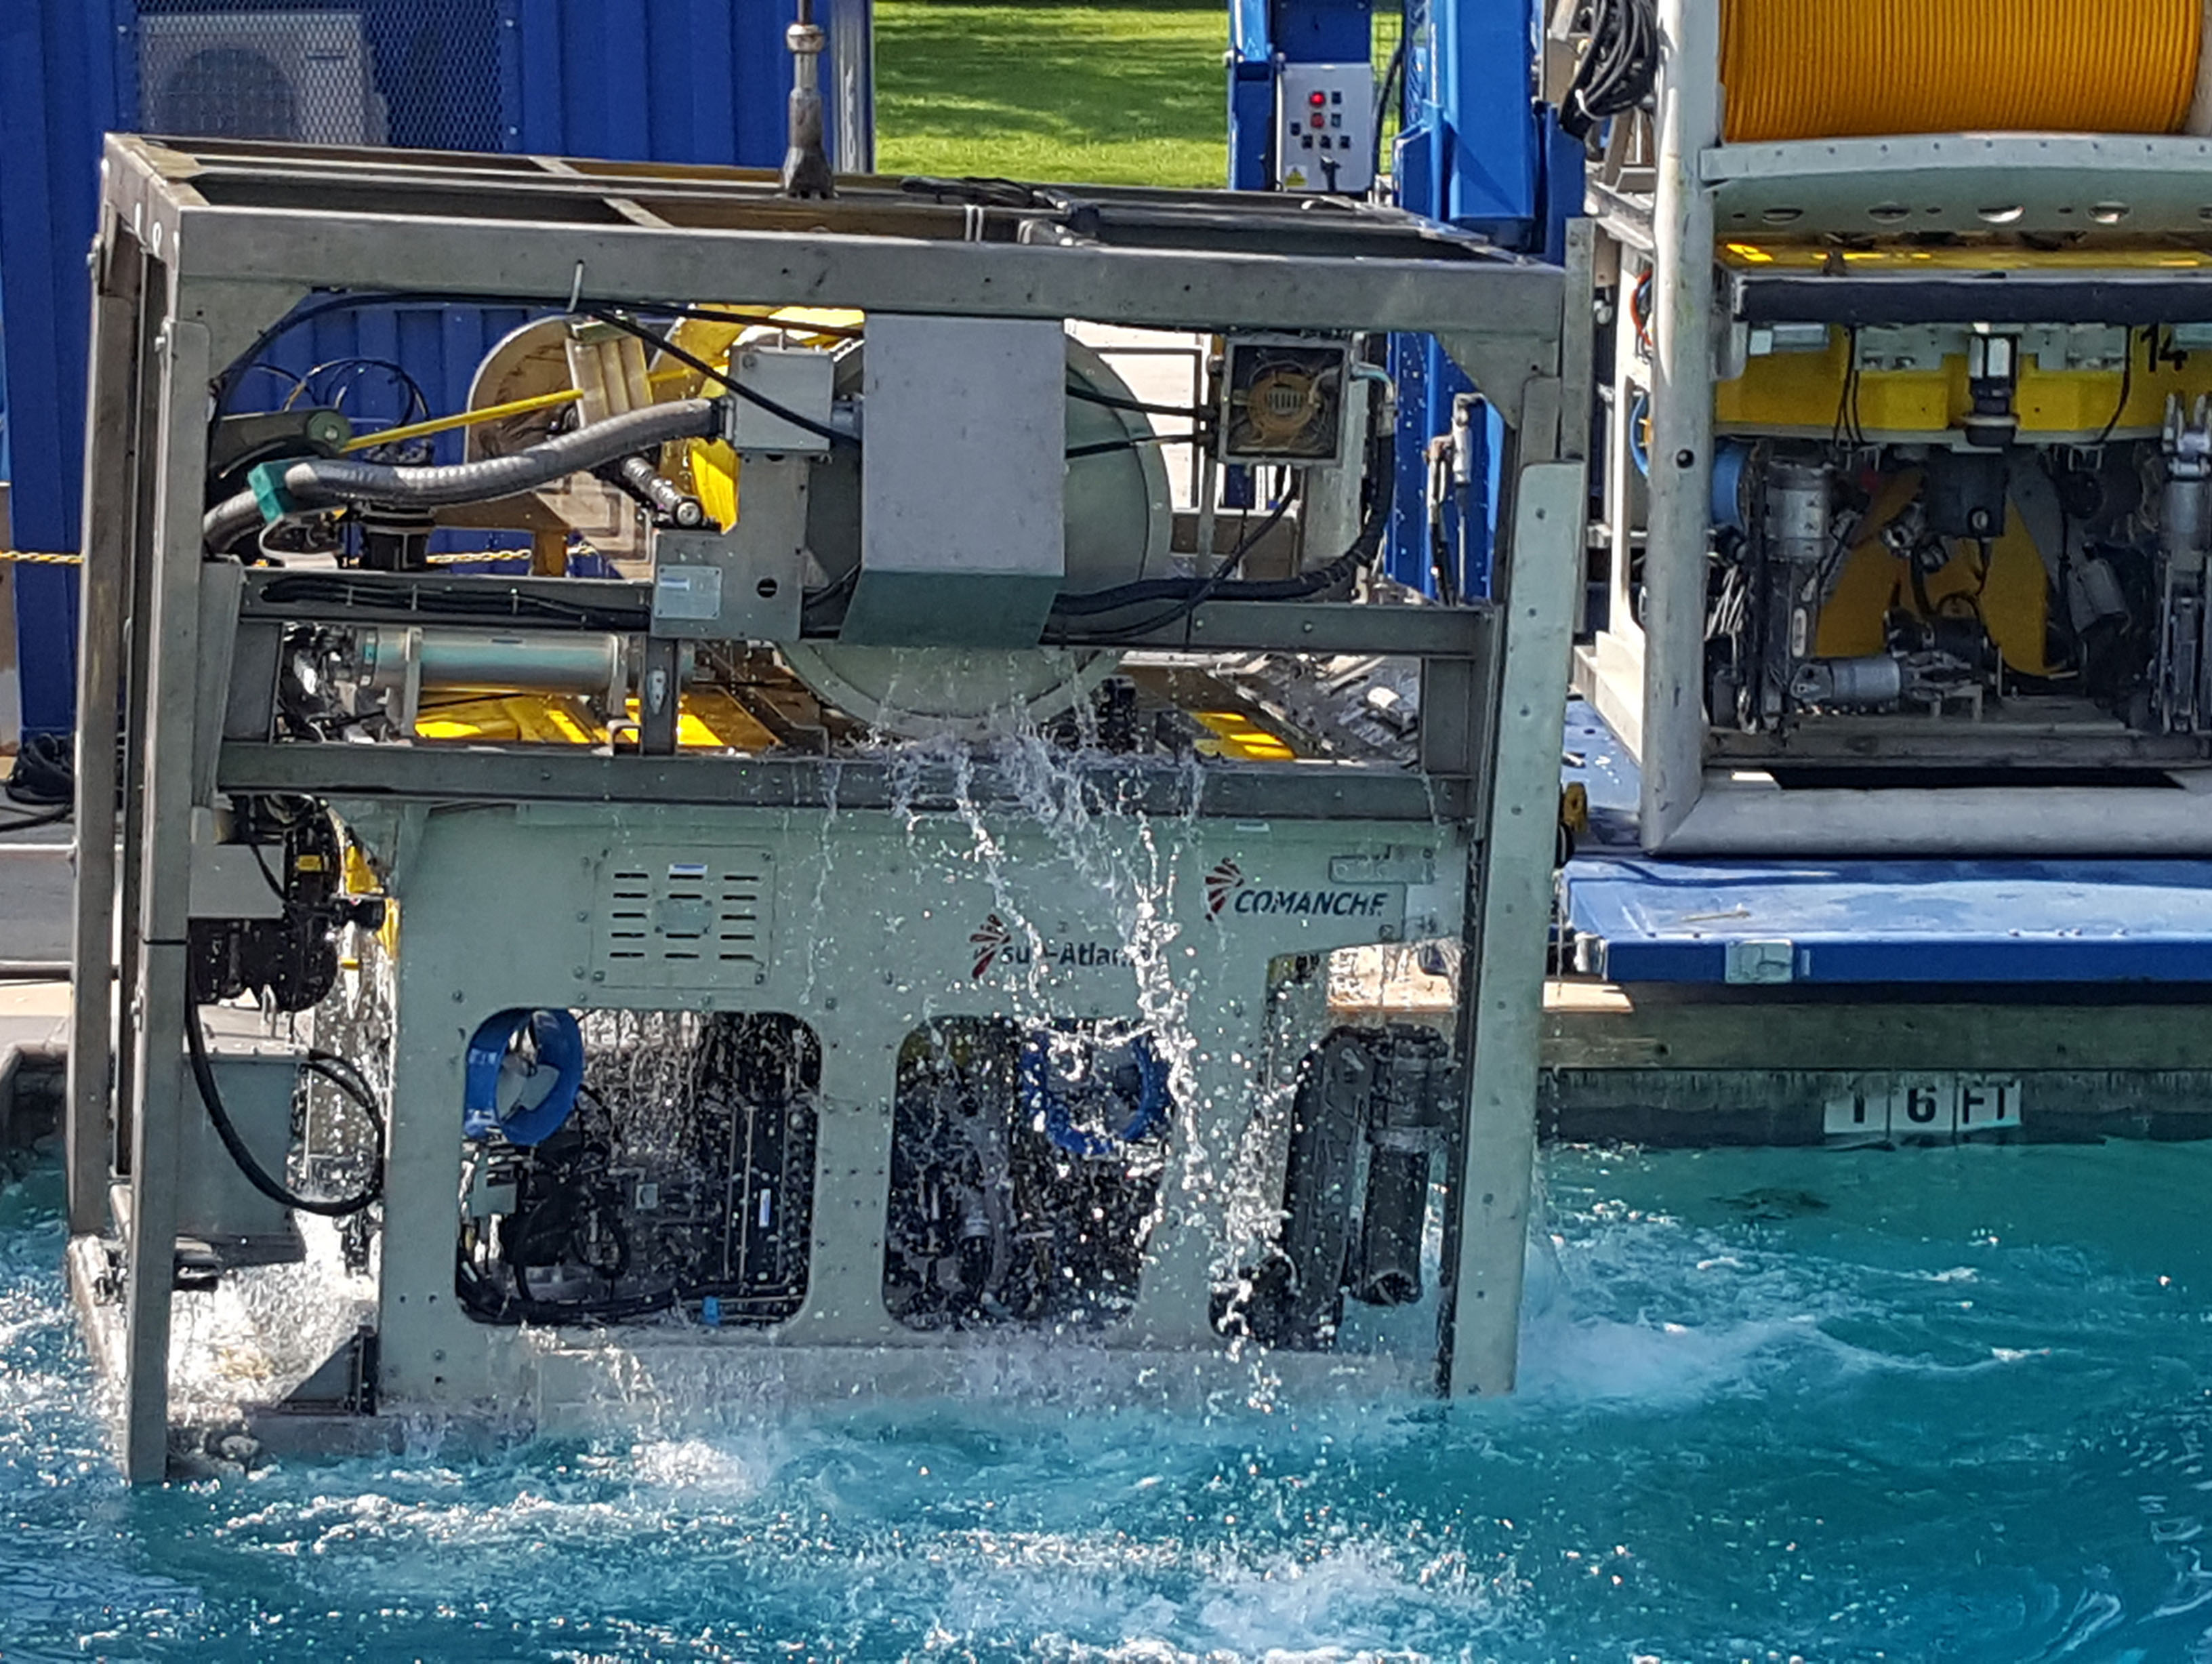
column 1926, row 1107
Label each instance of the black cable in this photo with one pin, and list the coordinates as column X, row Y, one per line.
column 616, row 318
column 1847, row 395
column 1380, row 466
column 1617, row 67
column 1211, row 585
column 982, row 190
column 28, row 822
column 341, row 1073
column 1186, row 412
column 267, row 876
column 227, row 383
column 255, row 1173
column 1392, row 76
column 348, row 372
column 44, row 775
column 334, row 589
column 620, row 320
column 814, row 607
column 1106, row 448
column 1191, row 594
column 2127, row 385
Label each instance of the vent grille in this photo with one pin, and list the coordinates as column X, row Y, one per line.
column 685, row 918
column 304, row 76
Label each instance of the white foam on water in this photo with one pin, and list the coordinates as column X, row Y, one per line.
column 701, row 1468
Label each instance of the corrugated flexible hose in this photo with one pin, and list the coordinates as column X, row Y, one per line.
column 1837, row 68
column 323, row 482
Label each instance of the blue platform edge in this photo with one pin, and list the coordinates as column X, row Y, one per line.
column 1644, row 919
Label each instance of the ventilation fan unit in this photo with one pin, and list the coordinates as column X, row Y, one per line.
column 297, row 75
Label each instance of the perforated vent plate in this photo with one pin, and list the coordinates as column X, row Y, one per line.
column 684, row 918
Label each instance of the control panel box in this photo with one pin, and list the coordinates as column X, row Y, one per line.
column 1325, row 127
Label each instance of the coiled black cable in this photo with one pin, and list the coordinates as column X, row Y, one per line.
column 1617, row 67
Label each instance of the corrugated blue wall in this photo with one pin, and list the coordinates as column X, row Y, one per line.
column 692, row 81
column 56, row 93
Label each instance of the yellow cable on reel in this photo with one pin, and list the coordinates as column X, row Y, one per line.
column 1838, row 69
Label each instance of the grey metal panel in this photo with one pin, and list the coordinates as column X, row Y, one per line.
column 215, row 1203
column 1960, row 182
column 963, row 484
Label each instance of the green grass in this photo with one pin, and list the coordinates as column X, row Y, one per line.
column 1116, row 92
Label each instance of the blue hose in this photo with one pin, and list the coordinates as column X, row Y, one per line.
column 1039, row 1101
column 559, row 1040
column 1730, row 458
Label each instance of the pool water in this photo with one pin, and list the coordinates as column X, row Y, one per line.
column 1948, row 1404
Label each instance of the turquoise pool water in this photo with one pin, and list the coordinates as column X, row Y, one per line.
column 1946, row 1404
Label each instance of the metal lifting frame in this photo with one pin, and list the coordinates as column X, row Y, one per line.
column 199, row 253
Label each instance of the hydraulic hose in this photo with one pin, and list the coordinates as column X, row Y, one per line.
column 333, row 1069
column 325, row 482
column 1043, row 1106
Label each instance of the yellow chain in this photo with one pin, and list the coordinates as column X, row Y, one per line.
column 39, row 557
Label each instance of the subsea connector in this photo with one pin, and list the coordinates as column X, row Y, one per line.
column 1992, row 379
column 270, row 494
column 1874, row 681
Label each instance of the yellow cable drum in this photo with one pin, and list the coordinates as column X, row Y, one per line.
column 1837, row 68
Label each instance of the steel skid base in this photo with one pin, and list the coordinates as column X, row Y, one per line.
column 849, row 893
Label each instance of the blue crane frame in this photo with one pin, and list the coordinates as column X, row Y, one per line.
column 1476, row 150
column 689, row 81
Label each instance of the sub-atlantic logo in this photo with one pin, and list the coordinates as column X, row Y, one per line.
column 1223, row 882
column 991, row 940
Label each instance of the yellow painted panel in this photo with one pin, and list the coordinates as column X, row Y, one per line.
column 1803, row 393
column 2014, row 599
column 1988, row 255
